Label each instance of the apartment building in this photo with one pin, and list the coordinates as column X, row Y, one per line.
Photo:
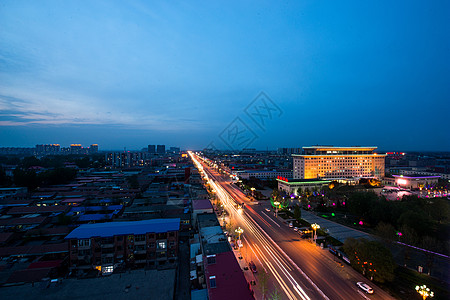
column 104, row 246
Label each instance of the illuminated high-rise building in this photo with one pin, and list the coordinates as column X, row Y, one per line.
column 330, row 162
column 93, row 148
column 76, row 149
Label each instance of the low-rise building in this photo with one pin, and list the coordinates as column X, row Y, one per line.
column 262, row 174
column 104, row 246
column 415, row 181
column 297, row 186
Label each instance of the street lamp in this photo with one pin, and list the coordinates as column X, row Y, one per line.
column 424, row 291
column 239, row 231
column 276, row 203
column 315, row 227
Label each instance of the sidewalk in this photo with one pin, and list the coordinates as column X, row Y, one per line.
column 249, row 276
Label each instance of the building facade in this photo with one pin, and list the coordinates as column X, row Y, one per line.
column 415, row 181
column 161, row 149
column 151, row 149
column 104, row 246
column 338, row 162
column 297, row 186
column 262, row 174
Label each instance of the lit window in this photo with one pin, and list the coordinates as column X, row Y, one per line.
column 211, row 259
column 162, row 245
column 84, row 242
column 212, row 281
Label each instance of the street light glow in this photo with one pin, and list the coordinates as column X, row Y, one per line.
column 315, row 227
column 424, row 291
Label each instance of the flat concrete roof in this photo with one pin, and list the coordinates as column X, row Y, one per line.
column 138, row 284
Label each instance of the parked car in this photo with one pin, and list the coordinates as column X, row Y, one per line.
column 291, row 224
column 295, row 229
column 365, row 287
column 267, row 209
column 252, row 266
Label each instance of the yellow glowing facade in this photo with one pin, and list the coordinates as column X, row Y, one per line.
column 338, row 162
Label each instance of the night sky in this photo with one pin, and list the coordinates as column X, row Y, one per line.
column 133, row 73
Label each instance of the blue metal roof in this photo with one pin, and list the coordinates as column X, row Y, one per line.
column 123, row 228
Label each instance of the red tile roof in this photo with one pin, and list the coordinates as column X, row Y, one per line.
column 45, row 264
column 230, row 281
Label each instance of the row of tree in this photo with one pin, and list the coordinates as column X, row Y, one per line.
column 370, row 258
column 32, row 180
column 414, row 217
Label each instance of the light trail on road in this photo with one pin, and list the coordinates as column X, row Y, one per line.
column 272, row 255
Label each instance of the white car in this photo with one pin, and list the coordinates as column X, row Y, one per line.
column 291, row 225
column 366, row 288
column 267, row 209
column 295, row 228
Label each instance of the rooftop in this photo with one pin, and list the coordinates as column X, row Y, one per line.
column 123, row 228
column 202, row 204
column 229, row 279
column 351, row 148
column 416, row 176
column 300, row 181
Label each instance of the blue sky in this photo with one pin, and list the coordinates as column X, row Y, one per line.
column 132, row 73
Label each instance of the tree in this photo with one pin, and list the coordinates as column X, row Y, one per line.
column 297, row 212
column 5, row 181
column 385, row 231
column 275, row 295
column 27, row 178
column 439, row 210
column 360, row 203
column 263, row 277
column 418, row 221
column 370, row 258
column 434, row 246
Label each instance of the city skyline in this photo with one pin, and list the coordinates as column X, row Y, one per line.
column 128, row 75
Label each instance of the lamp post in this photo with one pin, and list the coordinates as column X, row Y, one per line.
column 315, row 227
column 276, row 203
column 239, row 231
column 424, row 291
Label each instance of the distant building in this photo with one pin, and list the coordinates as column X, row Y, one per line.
column 17, row 150
column 93, row 149
column 289, row 151
column 175, row 150
column 76, row 149
column 161, row 149
column 126, row 159
column 48, row 149
column 338, row 162
column 103, row 246
column 151, row 149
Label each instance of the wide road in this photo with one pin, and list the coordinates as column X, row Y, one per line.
column 300, row 268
